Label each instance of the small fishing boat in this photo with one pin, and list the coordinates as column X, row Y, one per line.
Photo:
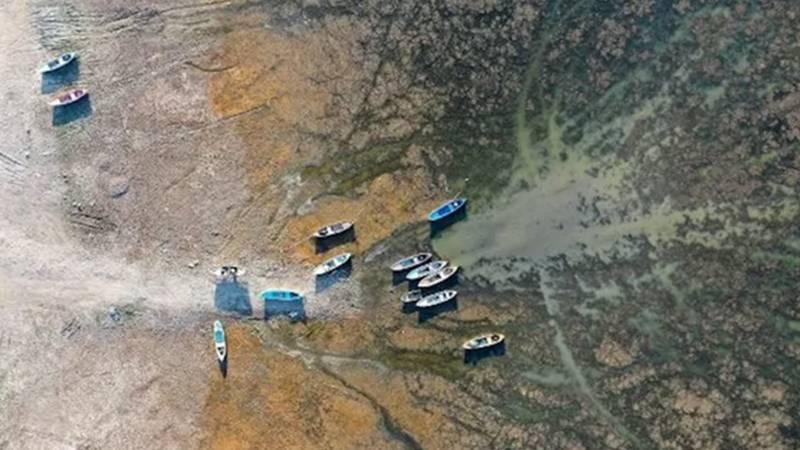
column 219, row 342
column 332, row 264
column 484, row 341
column 447, row 209
column 436, row 299
column 411, row 262
column 438, row 277
column 281, row 295
column 59, row 62
column 69, row 97
column 412, row 296
column 332, row 230
column 427, row 269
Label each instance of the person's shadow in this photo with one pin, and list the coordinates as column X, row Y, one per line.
column 475, row 356
column 63, row 115
column 233, row 296
column 61, row 78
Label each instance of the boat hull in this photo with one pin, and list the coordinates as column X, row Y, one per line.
column 420, row 272
column 281, row 296
column 438, row 278
column 447, row 209
column 59, row 63
column 69, row 98
column 439, row 298
column 333, row 230
column 484, row 341
column 220, row 342
column 411, row 262
column 332, row 264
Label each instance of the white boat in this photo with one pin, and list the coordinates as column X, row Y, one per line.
column 411, row 262
column 427, row 269
column 438, row 277
column 332, row 264
column 484, row 341
column 436, row 299
column 69, row 97
column 332, row 230
column 219, row 341
column 412, row 296
column 59, row 62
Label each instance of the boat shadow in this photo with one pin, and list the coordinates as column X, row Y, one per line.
column 426, row 314
column 223, row 366
column 295, row 310
column 473, row 357
column 437, row 227
column 408, row 308
column 61, row 78
column 321, row 283
column 63, row 115
column 322, row 245
column 399, row 277
column 233, row 296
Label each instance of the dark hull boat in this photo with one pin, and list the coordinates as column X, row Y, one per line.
column 411, row 262
column 447, row 209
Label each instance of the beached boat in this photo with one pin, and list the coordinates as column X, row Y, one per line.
column 438, row 277
column 411, row 262
column 332, row 264
column 412, row 296
column 69, row 97
column 220, row 345
column 436, row 299
column 281, row 295
column 332, row 230
column 59, row 62
column 427, row 269
column 447, row 209
column 484, row 341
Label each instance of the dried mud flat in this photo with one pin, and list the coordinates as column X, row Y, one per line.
column 647, row 290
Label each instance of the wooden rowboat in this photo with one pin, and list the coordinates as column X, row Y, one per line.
column 436, row 299
column 447, row 209
column 58, row 62
column 332, row 230
column 69, row 97
column 427, row 269
column 411, row 262
column 332, row 264
column 438, row 277
column 484, row 341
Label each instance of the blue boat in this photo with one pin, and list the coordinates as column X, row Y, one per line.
column 447, row 209
column 278, row 295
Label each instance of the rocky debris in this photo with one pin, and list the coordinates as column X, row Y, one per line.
column 612, row 354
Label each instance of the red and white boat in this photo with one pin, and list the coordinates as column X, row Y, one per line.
column 69, row 97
